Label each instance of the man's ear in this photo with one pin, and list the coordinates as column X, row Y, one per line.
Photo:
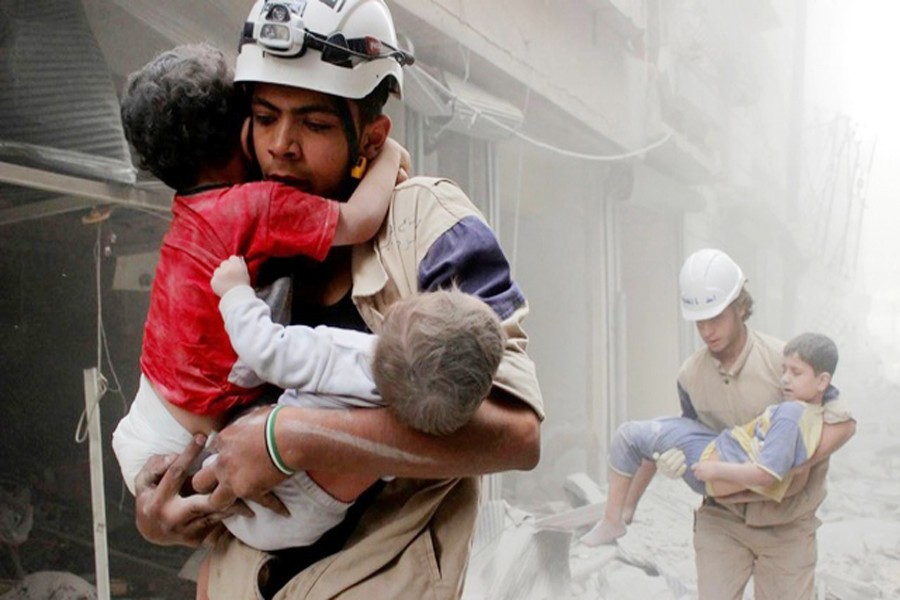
column 374, row 136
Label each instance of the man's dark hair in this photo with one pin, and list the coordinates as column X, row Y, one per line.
column 182, row 112
column 372, row 104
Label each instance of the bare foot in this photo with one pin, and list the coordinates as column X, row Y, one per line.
column 604, row 533
column 627, row 515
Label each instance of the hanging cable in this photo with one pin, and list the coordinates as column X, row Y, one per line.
column 477, row 113
column 81, row 431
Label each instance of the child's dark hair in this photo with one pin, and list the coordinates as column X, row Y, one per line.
column 182, row 112
column 816, row 350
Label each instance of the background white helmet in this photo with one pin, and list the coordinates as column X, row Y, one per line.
column 339, row 47
column 709, row 282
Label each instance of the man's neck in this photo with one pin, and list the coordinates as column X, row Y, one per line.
column 730, row 354
column 329, row 281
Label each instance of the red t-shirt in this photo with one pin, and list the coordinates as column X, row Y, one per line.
column 186, row 351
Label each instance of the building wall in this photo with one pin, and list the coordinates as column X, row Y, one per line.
column 596, row 254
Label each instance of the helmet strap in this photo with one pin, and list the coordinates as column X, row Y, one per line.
column 343, row 108
column 354, row 156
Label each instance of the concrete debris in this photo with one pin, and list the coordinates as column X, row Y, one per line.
column 512, row 559
column 580, row 490
column 51, row 585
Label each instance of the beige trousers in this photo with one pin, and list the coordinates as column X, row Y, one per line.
column 781, row 558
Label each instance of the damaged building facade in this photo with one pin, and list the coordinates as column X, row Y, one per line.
column 604, row 140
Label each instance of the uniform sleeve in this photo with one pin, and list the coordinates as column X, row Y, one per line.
column 323, row 360
column 469, row 256
column 687, row 407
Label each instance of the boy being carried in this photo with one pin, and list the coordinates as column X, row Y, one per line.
column 433, row 364
column 757, row 456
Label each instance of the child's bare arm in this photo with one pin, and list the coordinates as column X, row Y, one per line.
column 231, row 273
column 743, row 474
column 362, row 215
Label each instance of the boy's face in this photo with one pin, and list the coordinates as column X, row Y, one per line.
column 800, row 381
column 298, row 138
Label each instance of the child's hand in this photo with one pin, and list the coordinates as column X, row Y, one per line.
column 705, row 470
column 392, row 150
column 231, row 273
column 405, row 168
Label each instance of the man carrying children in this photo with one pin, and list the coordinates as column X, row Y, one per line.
column 316, row 106
column 729, row 382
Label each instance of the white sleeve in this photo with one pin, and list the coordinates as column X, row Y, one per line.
column 324, row 360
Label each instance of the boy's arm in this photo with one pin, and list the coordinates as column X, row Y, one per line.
column 362, row 215
column 745, row 474
column 321, row 360
column 834, row 435
column 799, row 476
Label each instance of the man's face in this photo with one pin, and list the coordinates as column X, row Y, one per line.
column 299, row 138
column 722, row 334
column 800, row 382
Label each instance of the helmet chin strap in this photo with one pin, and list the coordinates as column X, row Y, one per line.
column 346, row 116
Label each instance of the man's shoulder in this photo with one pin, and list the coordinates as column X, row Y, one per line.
column 696, row 363
column 766, row 343
column 433, row 194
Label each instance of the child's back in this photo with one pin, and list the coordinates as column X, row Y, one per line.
column 183, row 117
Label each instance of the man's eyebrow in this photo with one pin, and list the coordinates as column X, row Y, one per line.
column 298, row 111
column 314, row 108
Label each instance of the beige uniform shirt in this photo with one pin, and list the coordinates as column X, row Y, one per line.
column 724, row 399
column 413, row 541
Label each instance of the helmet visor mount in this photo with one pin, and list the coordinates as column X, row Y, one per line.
column 280, row 31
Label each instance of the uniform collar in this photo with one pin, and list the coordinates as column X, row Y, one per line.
column 369, row 276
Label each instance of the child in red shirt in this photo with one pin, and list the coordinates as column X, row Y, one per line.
column 183, row 116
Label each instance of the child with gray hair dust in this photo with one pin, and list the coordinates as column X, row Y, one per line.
column 757, row 456
column 432, row 363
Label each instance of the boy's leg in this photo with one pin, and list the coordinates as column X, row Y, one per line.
column 342, row 486
column 636, row 490
column 626, row 455
column 611, row 527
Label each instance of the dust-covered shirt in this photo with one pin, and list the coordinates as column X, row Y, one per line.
column 784, row 436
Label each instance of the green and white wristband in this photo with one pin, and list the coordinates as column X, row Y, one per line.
column 271, row 447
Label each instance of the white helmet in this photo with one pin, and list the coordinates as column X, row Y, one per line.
column 340, row 47
column 709, row 282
